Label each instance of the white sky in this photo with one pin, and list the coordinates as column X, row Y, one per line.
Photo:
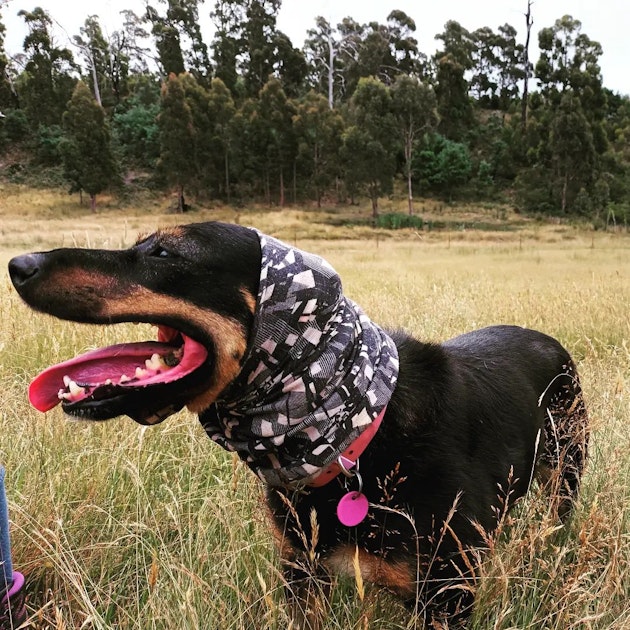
column 606, row 21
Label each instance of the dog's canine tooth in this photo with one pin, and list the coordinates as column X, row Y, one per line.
column 76, row 390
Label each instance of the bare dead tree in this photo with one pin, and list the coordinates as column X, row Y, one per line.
column 529, row 22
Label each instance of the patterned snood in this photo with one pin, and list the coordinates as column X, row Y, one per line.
column 316, row 373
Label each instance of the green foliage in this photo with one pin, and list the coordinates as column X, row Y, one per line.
column 318, row 129
column 86, row 145
column 14, row 128
column 137, row 135
column 369, row 148
column 445, row 165
column 398, row 221
column 260, row 130
column 47, row 147
column 177, row 137
column 47, row 83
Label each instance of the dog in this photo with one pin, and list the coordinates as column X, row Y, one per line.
column 377, row 450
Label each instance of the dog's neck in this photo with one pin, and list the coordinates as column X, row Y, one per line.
column 316, row 374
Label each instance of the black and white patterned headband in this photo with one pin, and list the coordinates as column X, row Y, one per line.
column 316, row 374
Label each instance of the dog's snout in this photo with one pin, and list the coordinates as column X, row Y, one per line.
column 24, row 268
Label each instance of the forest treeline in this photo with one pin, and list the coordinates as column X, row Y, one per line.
column 357, row 110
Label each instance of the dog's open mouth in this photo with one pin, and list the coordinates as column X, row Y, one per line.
column 147, row 381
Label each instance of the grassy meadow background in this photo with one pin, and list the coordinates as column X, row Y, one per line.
column 120, row 526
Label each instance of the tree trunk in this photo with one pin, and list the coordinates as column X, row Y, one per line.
column 267, row 188
column 181, row 202
column 565, row 186
column 331, row 71
column 93, row 203
column 281, row 187
column 227, row 176
column 374, row 197
column 408, row 146
column 524, row 105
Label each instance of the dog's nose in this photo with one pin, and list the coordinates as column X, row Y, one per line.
column 24, row 268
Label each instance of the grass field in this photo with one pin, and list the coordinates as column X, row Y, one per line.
column 119, row 526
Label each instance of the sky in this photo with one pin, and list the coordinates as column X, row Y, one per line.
column 604, row 21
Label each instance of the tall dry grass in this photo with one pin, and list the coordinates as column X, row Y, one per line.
column 119, row 526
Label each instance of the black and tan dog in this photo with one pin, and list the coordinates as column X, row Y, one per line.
column 258, row 339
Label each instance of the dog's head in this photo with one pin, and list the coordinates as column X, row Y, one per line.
column 197, row 283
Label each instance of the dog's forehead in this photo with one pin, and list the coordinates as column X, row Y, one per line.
column 167, row 233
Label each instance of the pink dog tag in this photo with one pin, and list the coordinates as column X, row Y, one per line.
column 352, row 508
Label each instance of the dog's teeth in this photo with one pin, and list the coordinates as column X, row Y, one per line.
column 108, row 381
column 140, row 372
column 67, row 380
column 155, row 363
column 124, row 379
column 61, row 394
column 75, row 390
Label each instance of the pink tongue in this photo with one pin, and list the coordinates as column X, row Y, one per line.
column 98, row 366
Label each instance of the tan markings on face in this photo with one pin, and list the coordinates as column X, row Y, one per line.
column 228, row 335
column 76, row 279
column 250, row 300
column 397, row 576
column 177, row 231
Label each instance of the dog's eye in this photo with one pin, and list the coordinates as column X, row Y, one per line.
column 159, row 252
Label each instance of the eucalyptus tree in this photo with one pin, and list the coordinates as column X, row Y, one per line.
column 49, row 74
column 566, row 140
column 275, row 112
column 318, row 129
column 178, row 38
column 130, row 47
column 86, row 149
column 574, row 157
column 451, row 87
column 414, row 107
column 96, row 55
column 379, row 50
column 330, row 53
column 258, row 43
column 221, row 113
column 227, row 17
column 6, row 93
column 177, row 135
column 370, row 142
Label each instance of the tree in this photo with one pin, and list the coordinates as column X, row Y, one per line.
column 370, row 142
column 228, row 18
column 47, row 82
column 529, row 22
column 445, row 164
column 95, row 51
column 86, row 146
column 573, row 152
column 180, row 24
column 258, row 43
column 318, row 129
column 415, row 112
column 451, row 89
column 128, row 49
column 177, row 135
column 222, row 111
column 8, row 96
column 276, row 115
